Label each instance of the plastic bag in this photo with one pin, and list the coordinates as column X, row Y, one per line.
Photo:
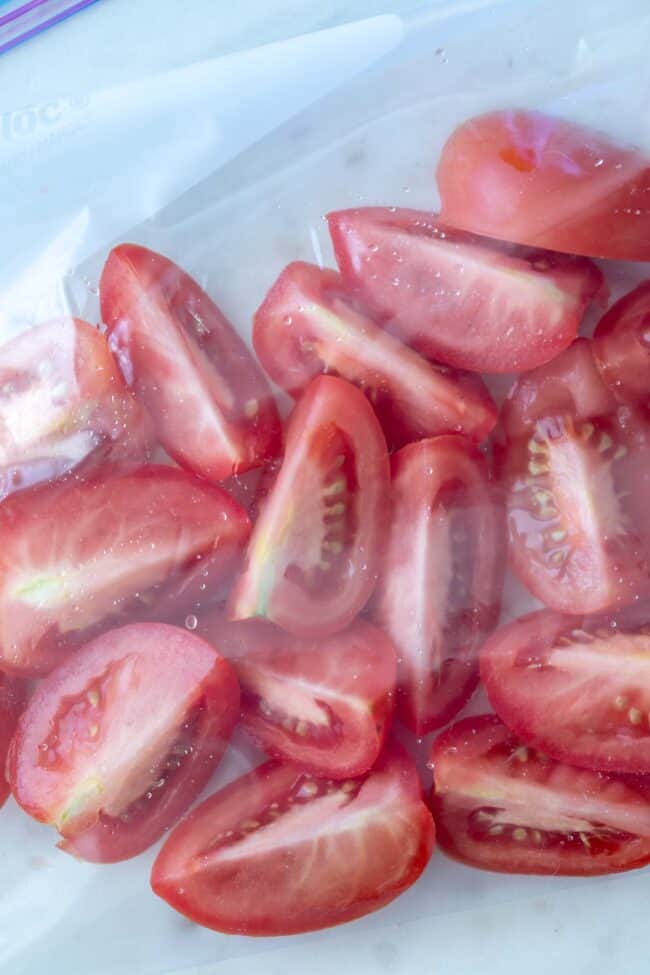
column 231, row 177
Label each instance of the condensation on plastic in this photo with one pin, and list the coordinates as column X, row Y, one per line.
column 231, row 165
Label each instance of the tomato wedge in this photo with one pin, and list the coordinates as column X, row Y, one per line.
column 324, row 704
column 125, row 542
column 499, row 805
column 122, row 737
column 313, row 557
column 452, row 296
column 621, row 346
column 308, row 325
column 577, row 688
column 280, row 852
column 12, row 700
column 535, row 179
column 212, row 408
column 440, row 587
column 578, row 522
column 63, row 402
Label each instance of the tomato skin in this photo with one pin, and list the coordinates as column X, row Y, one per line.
column 63, row 403
column 327, row 854
column 534, row 179
column 437, row 611
column 12, row 701
column 621, row 346
column 211, row 405
column 500, row 806
column 126, row 543
column 313, row 557
column 469, row 302
column 325, row 705
column 308, row 324
column 90, row 710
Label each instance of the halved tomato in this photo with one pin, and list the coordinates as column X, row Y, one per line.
column 309, row 325
column 324, row 704
column 440, row 587
column 313, row 557
column 500, row 805
column 535, row 179
column 12, row 701
column 621, row 346
column 280, row 852
column 575, row 687
column 118, row 741
column 62, row 402
column 578, row 523
column 125, row 542
column 211, row 405
column 469, row 302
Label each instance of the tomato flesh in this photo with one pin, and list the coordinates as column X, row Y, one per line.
column 308, row 324
column 621, row 346
column 281, row 852
column 440, row 587
column 452, row 296
column 313, row 557
column 534, row 179
column 125, row 542
column 325, row 705
column 211, row 405
column 502, row 806
column 119, row 740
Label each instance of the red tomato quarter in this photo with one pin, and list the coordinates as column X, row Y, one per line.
column 440, row 587
column 324, row 704
column 62, row 402
column 212, row 407
column 121, row 738
column 531, row 178
column 313, row 557
column 499, row 805
column 471, row 303
column 577, row 688
column 76, row 556
column 12, row 699
column 308, row 325
column 621, row 346
column 280, row 852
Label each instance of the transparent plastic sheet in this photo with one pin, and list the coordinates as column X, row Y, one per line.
column 233, row 188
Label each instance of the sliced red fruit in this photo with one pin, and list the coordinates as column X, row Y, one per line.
column 324, row 704
column 63, row 402
column 280, row 852
column 452, row 296
column 12, row 701
column 502, row 806
column 440, row 588
column 212, row 408
column 125, row 542
column 535, row 179
column 621, row 346
column 575, row 687
column 313, row 557
column 308, row 324
column 120, row 739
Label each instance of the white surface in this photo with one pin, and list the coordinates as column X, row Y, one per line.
column 258, row 213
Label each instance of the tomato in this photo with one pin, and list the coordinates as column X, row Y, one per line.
column 78, row 555
column 578, row 522
column 324, row 704
column 452, row 296
column 308, row 325
column 280, row 852
column 212, row 408
column 313, row 557
column 12, row 700
column 531, row 178
column 621, row 346
column 500, row 805
column 574, row 687
column 440, row 587
column 62, row 402
column 118, row 741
